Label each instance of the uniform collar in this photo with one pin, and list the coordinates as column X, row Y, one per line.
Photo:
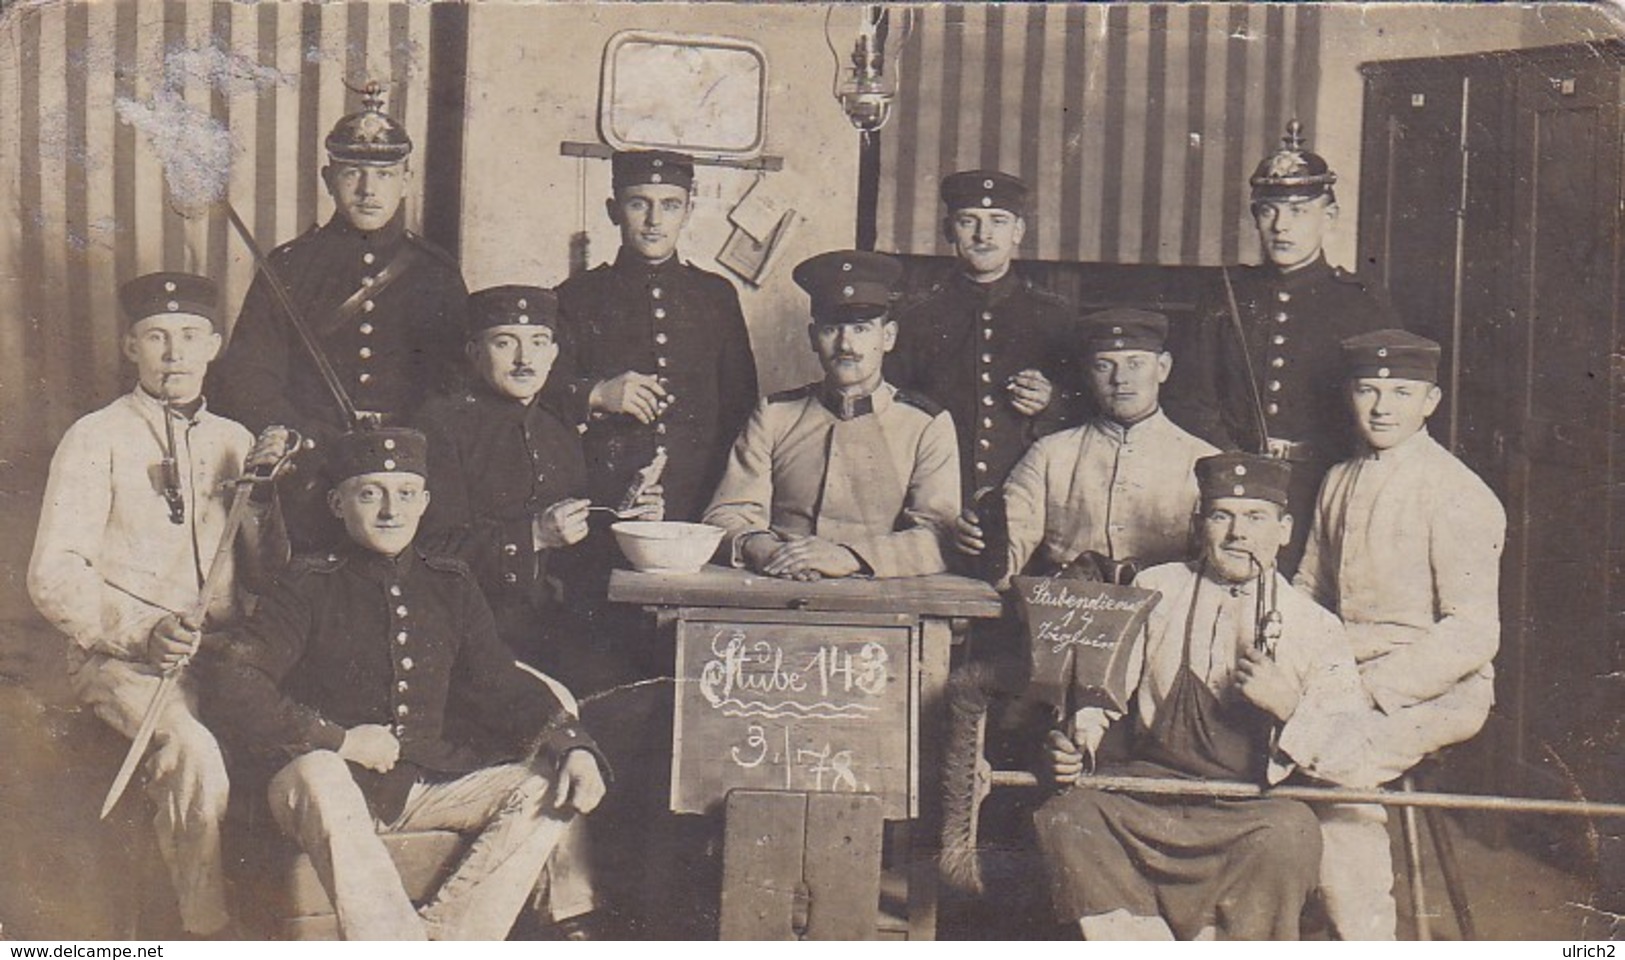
column 190, row 413
column 991, row 293
column 377, row 567
column 849, row 407
column 486, row 395
column 1119, row 432
column 383, row 238
column 1314, row 271
column 1412, row 447
column 627, row 260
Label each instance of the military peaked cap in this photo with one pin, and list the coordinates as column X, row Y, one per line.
column 848, row 284
column 984, row 190
column 156, row 293
column 630, row 168
column 1391, row 353
column 385, row 450
column 1248, row 475
column 1124, row 329
column 512, row 305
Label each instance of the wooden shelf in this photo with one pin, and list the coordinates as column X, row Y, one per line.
column 600, row 151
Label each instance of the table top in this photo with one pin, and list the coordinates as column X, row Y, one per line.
column 938, row 595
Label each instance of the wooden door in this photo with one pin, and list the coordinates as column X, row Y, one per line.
column 1558, row 650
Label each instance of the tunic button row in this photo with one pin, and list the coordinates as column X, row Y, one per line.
column 366, row 328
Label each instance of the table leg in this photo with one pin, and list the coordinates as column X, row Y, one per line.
column 936, row 638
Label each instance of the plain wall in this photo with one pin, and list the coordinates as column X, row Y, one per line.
column 534, row 82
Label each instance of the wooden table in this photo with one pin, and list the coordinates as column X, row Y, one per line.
column 849, row 661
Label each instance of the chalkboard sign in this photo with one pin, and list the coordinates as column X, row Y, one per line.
column 792, row 706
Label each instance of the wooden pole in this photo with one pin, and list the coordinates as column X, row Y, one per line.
column 1225, row 790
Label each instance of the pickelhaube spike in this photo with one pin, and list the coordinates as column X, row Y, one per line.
column 369, row 136
column 1292, row 171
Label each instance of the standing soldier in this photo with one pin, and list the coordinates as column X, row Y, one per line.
column 987, row 344
column 1294, row 311
column 136, row 503
column 383, row 305
column 656, row 350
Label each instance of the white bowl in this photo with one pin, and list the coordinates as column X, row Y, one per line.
column 666, row 546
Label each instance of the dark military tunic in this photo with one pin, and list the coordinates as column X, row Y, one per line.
column 960, row 346
column 675, row 321
column 390, row 352
column 495, row 464
column 408, row 642
column 1295, row 323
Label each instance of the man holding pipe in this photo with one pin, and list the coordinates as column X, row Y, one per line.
column 1239, row 677
column 136, row 503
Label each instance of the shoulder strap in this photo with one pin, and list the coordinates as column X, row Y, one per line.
column 393, row 270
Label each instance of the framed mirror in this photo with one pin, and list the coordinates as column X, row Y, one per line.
column 703, row 95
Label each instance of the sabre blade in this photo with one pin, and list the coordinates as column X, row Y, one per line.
column 138, row 746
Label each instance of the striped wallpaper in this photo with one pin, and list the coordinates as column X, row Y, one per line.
column 87, row 190
column 1136, row 125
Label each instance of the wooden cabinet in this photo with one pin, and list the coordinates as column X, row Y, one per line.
column 1490, row 205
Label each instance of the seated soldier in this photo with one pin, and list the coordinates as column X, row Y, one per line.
column 509, row 476
column 134, row 511
column 1406, row 548
column 1209, row 704
column 358, row 665
column 1122, row 486
column 849, row 475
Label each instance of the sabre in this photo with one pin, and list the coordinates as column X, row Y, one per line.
column 1247, row 360
column 193, row 617
column 279, row 290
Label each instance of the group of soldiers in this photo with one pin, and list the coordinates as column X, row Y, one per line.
column 415, row 581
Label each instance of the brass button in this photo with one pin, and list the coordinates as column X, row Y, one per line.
column 368, row 257
column 510, row 578
column 1273, row 409
column 365, row 378
column 660, row 428
column 366, row 328
column 1280, row 317
column 987, row 377
column 395, row 590
column 981, row 466
column 986, row 315
column 987, row 423
column 660, row 338
column 987, row 358
column 987, row 401
column 400, row 610
column 1275, row 386
column 1278, row 339
column 985, row 443
column 406, row 663
column 402, row 709
column 1283, row 296
column 401, row 686
column 511, row 549
column 364, row 353
column 1277, row 362
column 367, row 306
column 656, row 292
column 400, row 637
column 660, row 313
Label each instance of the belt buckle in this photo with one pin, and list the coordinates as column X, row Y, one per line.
column 370, row 419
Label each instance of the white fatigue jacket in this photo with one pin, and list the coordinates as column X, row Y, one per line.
column 1120, row 491
column 876, row 474
column 1324, row 735
column 108, row 563
column 1406, row 548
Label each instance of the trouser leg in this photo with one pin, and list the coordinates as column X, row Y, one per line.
column 565, row 889
column 186, row 781
column 1402, row 739
column 316, row 801
column 1271, row 871
column 511, row 807
column 1091, row 874
column 1357, row 871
